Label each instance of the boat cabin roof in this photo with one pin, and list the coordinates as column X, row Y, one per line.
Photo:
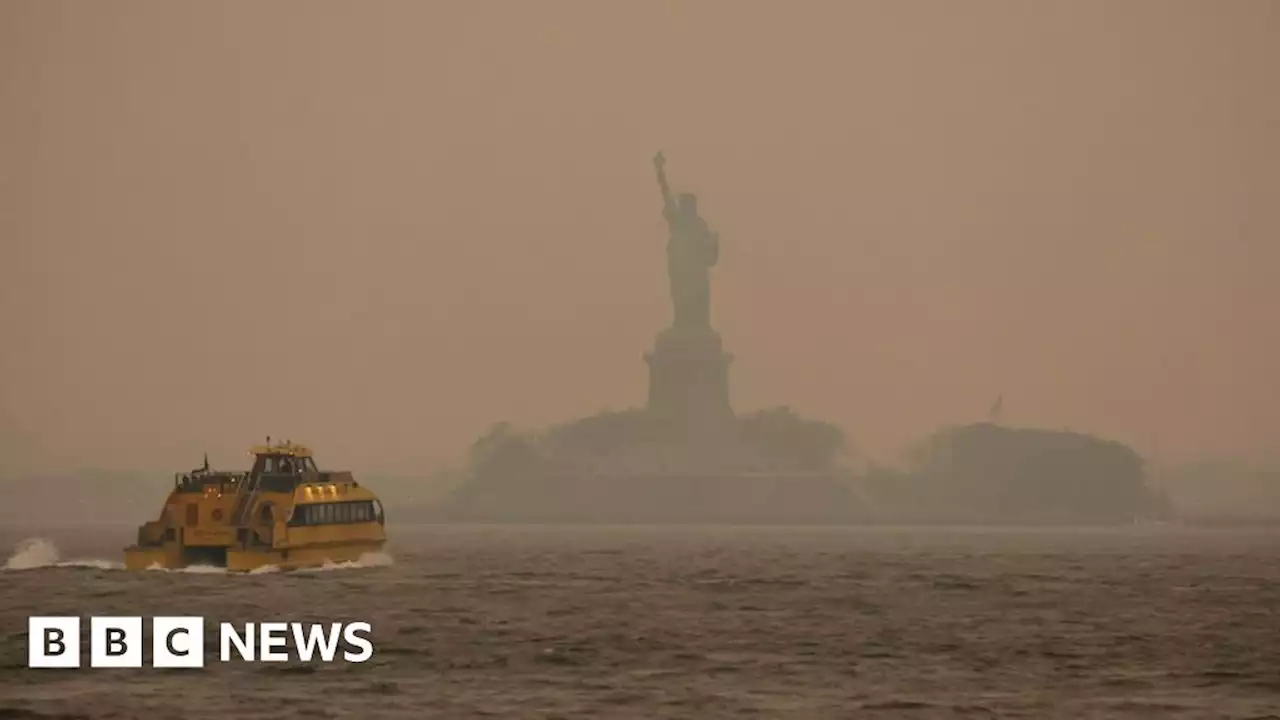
column 285, row 448
column 278, row 467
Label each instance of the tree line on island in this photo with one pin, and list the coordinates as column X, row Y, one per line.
column 978, row 473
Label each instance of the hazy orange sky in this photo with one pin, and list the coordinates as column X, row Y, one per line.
column 379, row 227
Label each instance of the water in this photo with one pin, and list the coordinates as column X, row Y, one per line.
column 560, row 622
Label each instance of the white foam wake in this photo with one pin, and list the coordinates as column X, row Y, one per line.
column 211, row 570
column 34, row 553
column 192, row 569
column 367, row 560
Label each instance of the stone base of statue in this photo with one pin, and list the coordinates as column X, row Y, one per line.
column 689, row 379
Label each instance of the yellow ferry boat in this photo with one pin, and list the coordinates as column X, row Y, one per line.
column 283, row 512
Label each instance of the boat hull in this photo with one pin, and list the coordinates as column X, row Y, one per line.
column 171, row 557
column 145, row 558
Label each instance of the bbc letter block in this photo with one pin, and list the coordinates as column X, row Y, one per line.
column 53, row 642
column 115, row 642
column 177, row 642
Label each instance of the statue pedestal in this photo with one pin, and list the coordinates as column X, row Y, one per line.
column 689, row 378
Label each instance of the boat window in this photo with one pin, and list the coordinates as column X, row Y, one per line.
column 279, row 483
column 336, row 513
column 193, row 514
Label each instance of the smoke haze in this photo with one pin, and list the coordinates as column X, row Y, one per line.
column 378, row 228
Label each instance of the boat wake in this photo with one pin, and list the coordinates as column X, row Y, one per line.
column 191, row 569
column 368, row 560
column 36, row 553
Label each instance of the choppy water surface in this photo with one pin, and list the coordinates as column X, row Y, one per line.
column 696, row 623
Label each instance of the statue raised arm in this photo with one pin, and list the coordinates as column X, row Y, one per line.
column 668, row 203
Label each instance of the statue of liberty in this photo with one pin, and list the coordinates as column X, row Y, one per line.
column 692, row 251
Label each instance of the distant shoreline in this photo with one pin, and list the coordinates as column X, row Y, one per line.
column 110, row 500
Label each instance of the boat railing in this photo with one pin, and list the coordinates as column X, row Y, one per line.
column 197, row 480
column 244, row 503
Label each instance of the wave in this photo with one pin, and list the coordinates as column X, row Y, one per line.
column 34, row 553
column 192, row 569
column 367, row 560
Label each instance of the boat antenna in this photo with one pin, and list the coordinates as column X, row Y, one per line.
column 206, row 462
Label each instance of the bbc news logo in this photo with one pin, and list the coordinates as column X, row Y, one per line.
column 178, row 642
